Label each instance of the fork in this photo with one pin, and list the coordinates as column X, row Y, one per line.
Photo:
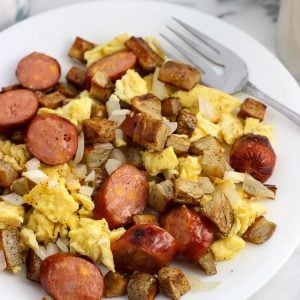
column 235, row 73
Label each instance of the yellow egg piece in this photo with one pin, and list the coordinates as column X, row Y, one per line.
column 28, row 239
column 231, row 128
column 254, row 126
column 189, row 168
column 11, row 216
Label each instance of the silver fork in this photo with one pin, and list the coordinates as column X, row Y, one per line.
column 235, row 76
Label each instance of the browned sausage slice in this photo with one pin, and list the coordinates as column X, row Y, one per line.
column 17, row 107
column 114, row 65
column 145, row 248
column 67, row 277
column 122, row 195
column 52, row 139
column 38, row 71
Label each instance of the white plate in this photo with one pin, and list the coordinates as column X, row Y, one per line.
column 53, row 33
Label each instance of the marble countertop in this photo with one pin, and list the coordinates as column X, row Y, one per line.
column 257, row 18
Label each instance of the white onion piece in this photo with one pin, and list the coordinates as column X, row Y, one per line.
column 37, row 176
column 41, row 252
column 13, row 199
column 65, row 240
column 2, row 261
column 112, row 104
column 158, row 87
column 52, row 184
column 86, row 190
column 120, row 112
column 111, row 165
column 33, row 164
column 104, row 146
column 80, row 171
column 255, row 188
column 62, row 246
column 208, row 110
column 90, row 177
column 80, row 149
column 235, row 177
column 51, row 249
column 118, row 155
column 119, row 119
column 171, row 125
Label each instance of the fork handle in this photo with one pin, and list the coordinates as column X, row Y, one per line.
column 251, row 89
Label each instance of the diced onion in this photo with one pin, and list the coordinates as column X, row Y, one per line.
column 62, row 246
column 171, row 125
column 235, row 177
column 158, row 87
column 119, row 119
column 208, row 110
column 37, row 176
column 86, row 190
column 2, row 261
column 104, row 146
column 80, row 171
column 111, row 165
column 120, row 112
column 33, row 164
column 118, row 155
column 90, row 177
column 41, row 252
column 13, row 199
column 51, row 249
column 255, row 188
column 80, row 149
column 52, row 184
column 112, row 104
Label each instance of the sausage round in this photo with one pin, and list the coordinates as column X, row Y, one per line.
column 17, row 108
column 67, row 277
column 123, row 194
column 114, row 65
column 192, row 232
column 52, row 139
column 145, row 248
column 38, row 71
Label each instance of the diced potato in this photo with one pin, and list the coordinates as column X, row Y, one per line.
column 101, row 86
column 7, row 174
column 161, row 195
column 207, row 263
column 115, row 284
column 173, row 282
column 207, row 185
column 76, row 77
column 99, row 111
column 179, row 74
column 187, row 191
column 145, row 219
column 95, row 157
column 186, row 122
column 260, row 231
column 68, row 90
column 170, row 108
column 21, row 186
column 33, row 265
column 79, row 47
column 252, row 108
column 180, row 143
column 52, row 100
column 142, row 286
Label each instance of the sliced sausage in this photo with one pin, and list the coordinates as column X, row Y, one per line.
column 52, row 139
column 115, row 65
column 38, row 71
column 123, row 194
column 67, row 277
column 17, row 108
column 145, row 248
column 192, row 232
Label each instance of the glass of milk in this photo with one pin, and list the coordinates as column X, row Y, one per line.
column 12, row 11
column 288, row 35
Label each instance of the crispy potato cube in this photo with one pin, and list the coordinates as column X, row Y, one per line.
column 21, row 186
column 145, row 219
column 76, row 77
column 150, row 133
column 179, row 74
column 207, row 264
column 101, row 86
column 115, row 284
column 252, row 108
column 146, row 57
column 173, row 282
column 7, row 174
column 52, row 100
column 220, row 212
column 212, row 158
column 260, row 231
column 187, row 191
column 180, row 144
column 170, row 108
column 9, row 244
column 79, row 47
column 142, row 286
column 207, row 185
column 68, row 90
column 99, row 111
column 99, row 130
column 186, row 122
column 148, row 104
column 11, row 87
column 161, row 195
column 33, row 265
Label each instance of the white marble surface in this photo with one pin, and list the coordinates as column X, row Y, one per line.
column 257, row 18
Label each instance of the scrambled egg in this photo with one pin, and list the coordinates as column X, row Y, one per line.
column 11, row 216
column 227, row 248
column 154, row 44
column 76, row 110
column 115, row 45
column 231, row 128
column 130, row 85
column 189, row 168
column 28, row 239
column 253, row 125
column 93, row 239
column 207, row 126
column 158, row 162
column 17, row 155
